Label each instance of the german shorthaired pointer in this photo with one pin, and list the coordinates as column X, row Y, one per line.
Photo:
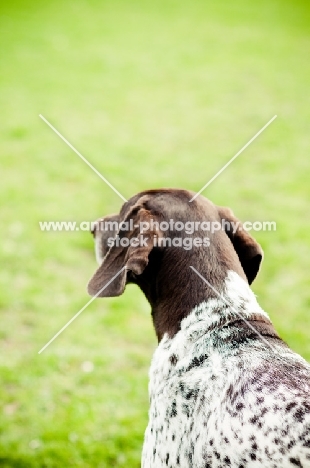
column 225, row 390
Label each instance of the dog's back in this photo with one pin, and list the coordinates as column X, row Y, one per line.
column 223, row 395
column 225, row 390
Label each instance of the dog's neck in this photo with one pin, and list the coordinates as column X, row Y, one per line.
column 236, row 302
column 174, row 295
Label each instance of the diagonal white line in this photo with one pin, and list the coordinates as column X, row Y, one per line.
column 232, row 308
column 233, row 158
column 82, row 157
column 80, row 311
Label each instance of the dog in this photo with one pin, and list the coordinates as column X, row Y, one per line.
column 225, row 390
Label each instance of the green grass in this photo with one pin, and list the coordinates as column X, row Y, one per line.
column 153, row 94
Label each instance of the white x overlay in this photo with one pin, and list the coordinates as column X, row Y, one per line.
column 124, row 199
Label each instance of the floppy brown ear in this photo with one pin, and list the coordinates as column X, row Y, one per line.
column 249, row 251
column 110, row 278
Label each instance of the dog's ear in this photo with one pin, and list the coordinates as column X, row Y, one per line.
column 129, row 254
column 104, row 229
column 249, row 251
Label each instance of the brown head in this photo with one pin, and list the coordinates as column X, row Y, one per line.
column 154, row 253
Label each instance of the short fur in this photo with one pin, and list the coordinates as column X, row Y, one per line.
column 225, row 390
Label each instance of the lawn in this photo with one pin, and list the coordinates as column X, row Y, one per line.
column 153, row 94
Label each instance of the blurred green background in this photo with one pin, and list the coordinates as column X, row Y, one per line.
column 154, row 94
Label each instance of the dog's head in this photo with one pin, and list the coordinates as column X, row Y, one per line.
column 130, row 247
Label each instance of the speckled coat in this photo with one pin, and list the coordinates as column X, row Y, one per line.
column 221, row 395
column 225, row 390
